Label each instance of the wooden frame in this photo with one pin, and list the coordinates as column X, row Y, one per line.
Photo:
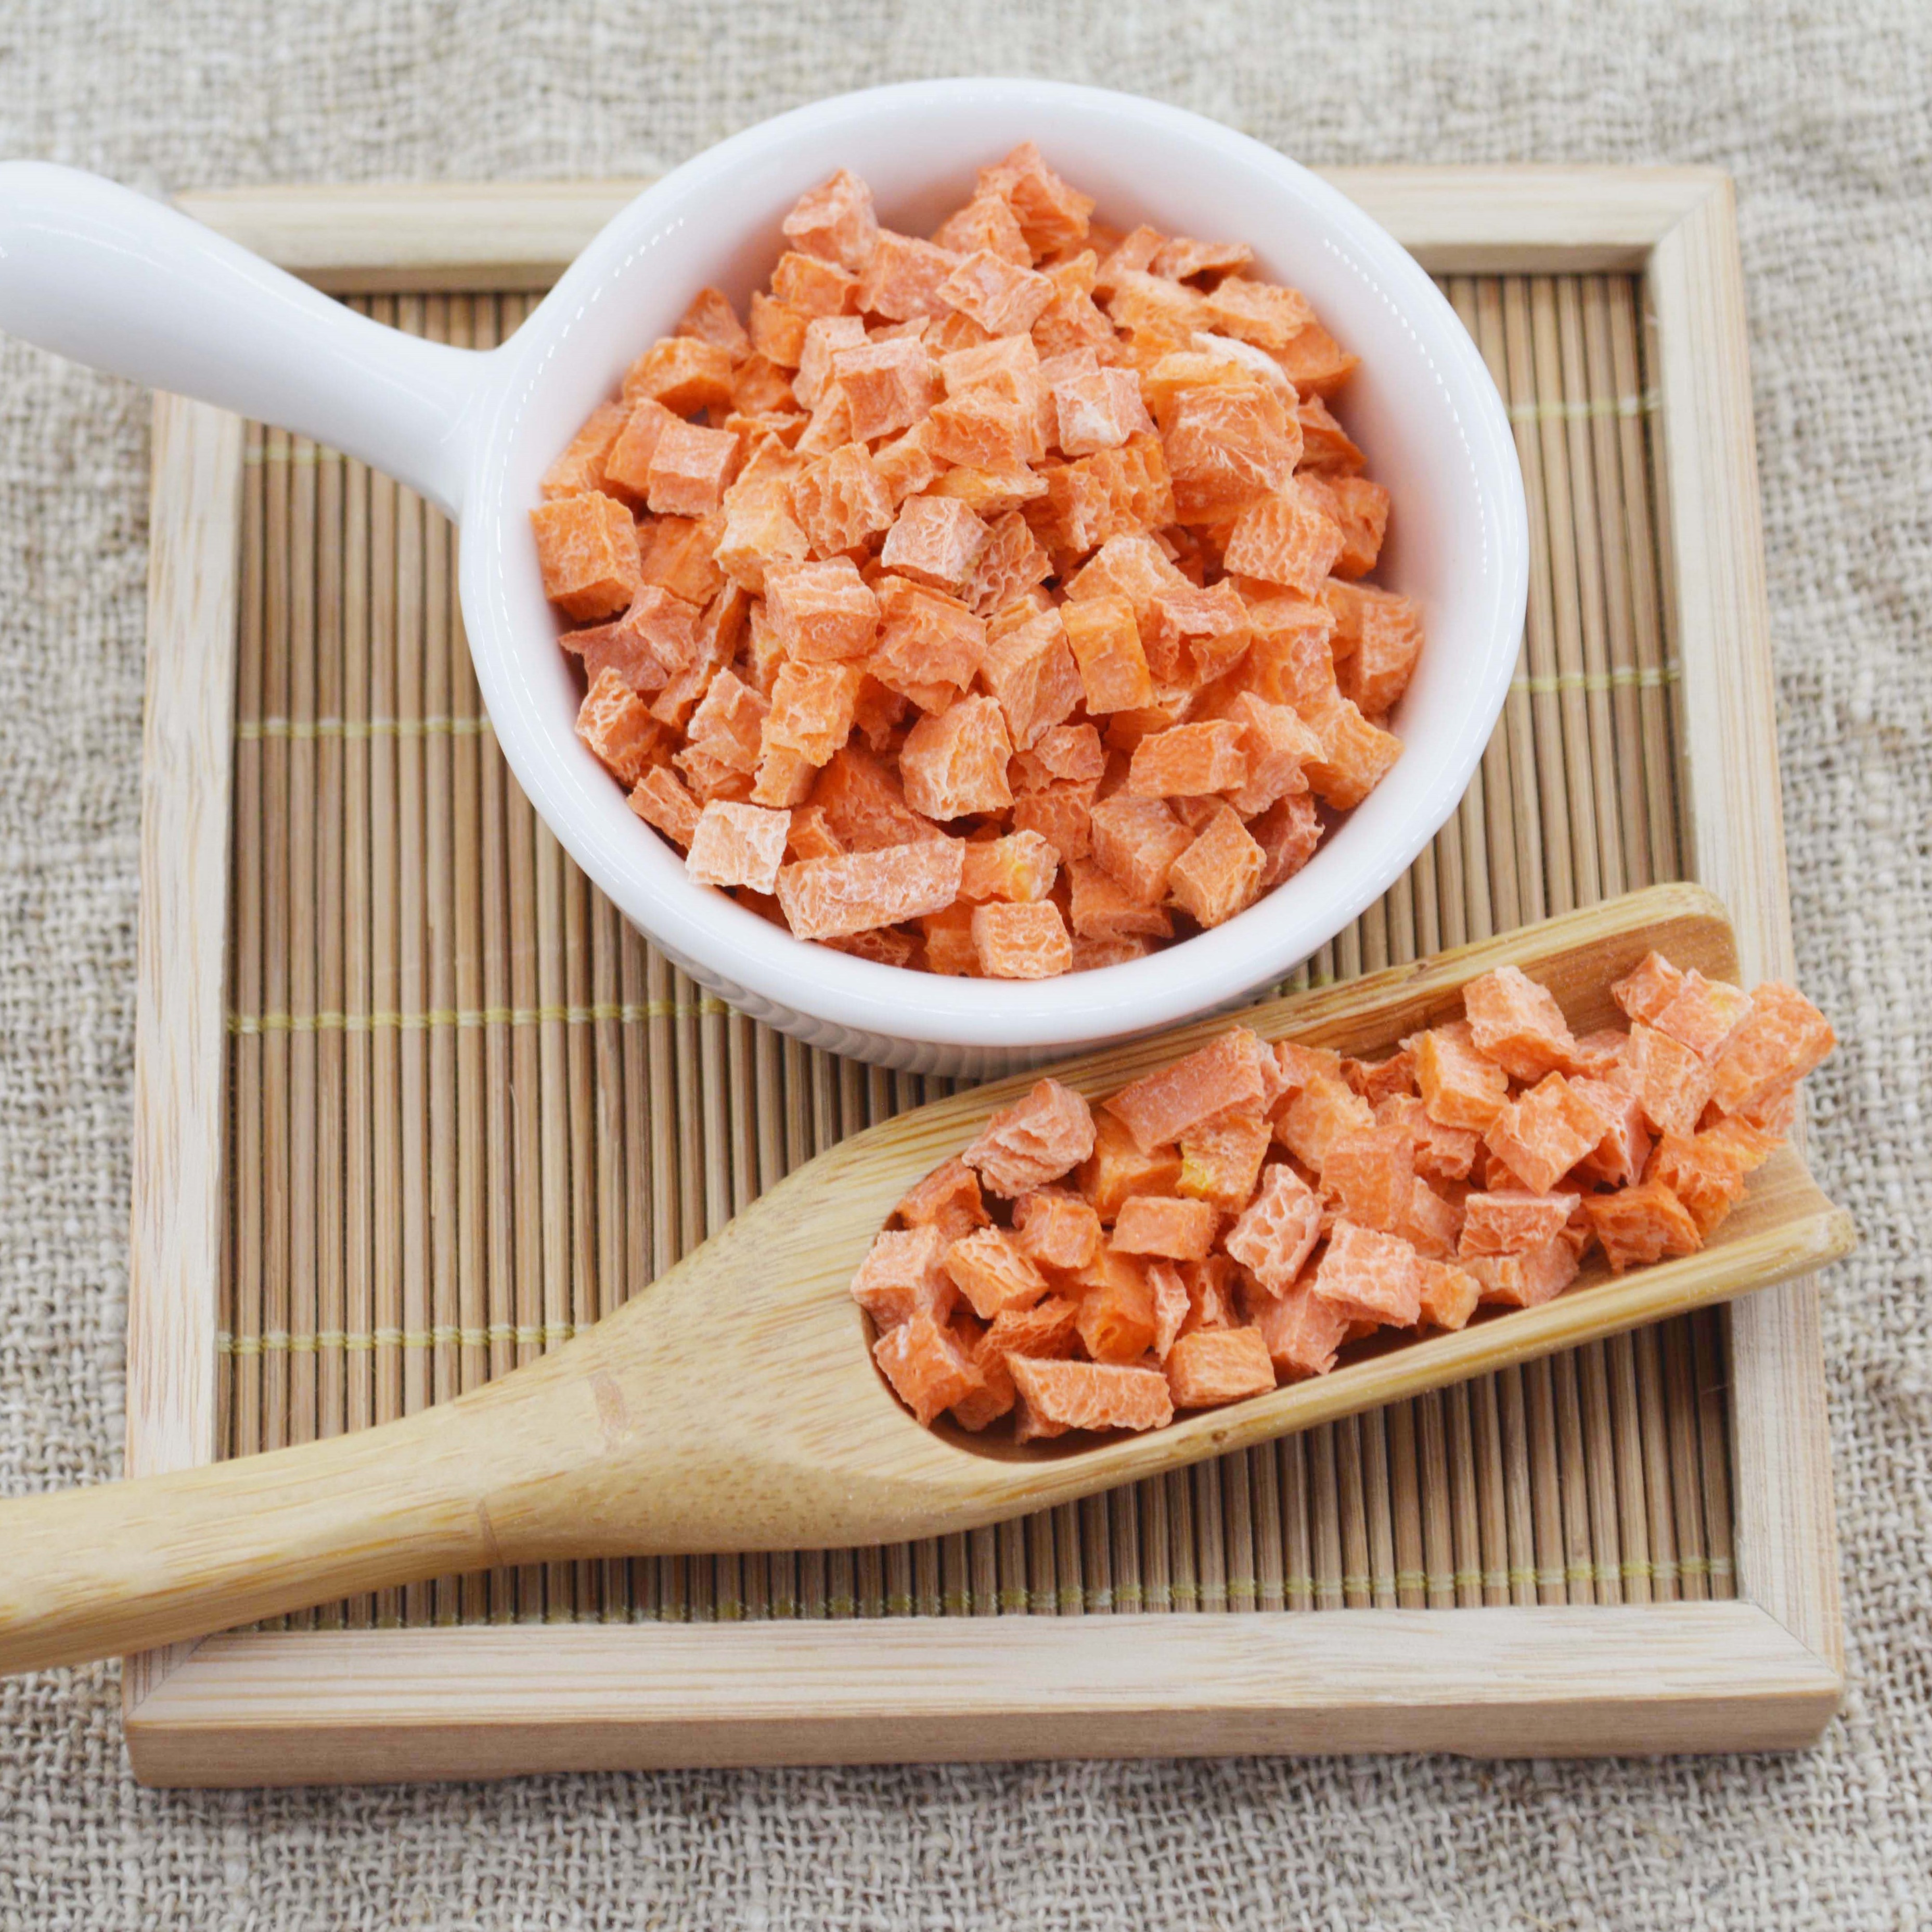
column 1762, row 1671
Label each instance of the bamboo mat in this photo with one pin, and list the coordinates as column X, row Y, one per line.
column 471, row 1111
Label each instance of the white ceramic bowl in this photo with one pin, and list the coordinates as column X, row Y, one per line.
column 104, row 276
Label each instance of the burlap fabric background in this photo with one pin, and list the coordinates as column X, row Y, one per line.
column 1821, row 110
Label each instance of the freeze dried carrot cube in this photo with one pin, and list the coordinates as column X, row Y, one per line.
column 902, row 277
column 1263, row 313
column 1002, row 297
column 653, row 641
column 1106, row 646
column 1325, row 448
column 1011, row 565
column 1160, row 312
column 1648, row 987
column 1278, row 747
column 841, row 500
column 1020, row 866
column 1301, row 1331
column 930, row 646
column 1044, row 1332
column 690, row 469
column 1316, row 1114
column 1168, row 1289
column 1069, row 751
column 1103, row 909
column 1315, row 362
column 1117, row 1320
column 1445, row 1153
column 864, row 807
column 1288, row 833
column 1779, row 1041
column 821, row 612
column 1228, row 444
column 1051, row 215
column 1021, row 941
column 1284, row 537
column 1449, row 1294
column 1619, row 1158
column 811, row 837
column 830, row 898
column 830, row 426
column 677, row 555
column 1702, row 1014
column 1158, row 1224
column 755, row 537
column 987, row 222
column 889, row 385
column 619, row 731
column 581, row 467
column 1058, row 1395
column 729, row 723
column 936, row 542
column 928, row 1370
column 587, row 550
column 955, row 763
column 1379, row 1080
column 902, row 1275
column 1369, row 1173
column 991, row 1272
column 1062, row 814
column 836, row 221
column 738, row 845
column 1182, row 257
column 1133, row 254
column 1198, row 633
column 1221, row 1159
column 1117, row 1167
column 1096, row 408
column 1509, row 1222
column 1035, row 1140
column 1707, row 1171
column 1544, row 1132
column 1162, row 1105
column 808, row 285
column 777, row 331
column 1219, row 875
column 1371, row 1275
column 1056, row 1229
column 825, row 337
column 1213, row 1366
column 1377, row 637
column 1212, row 1287
column 948, row 1199
column 709, row 317
column 1672, row 1085
column 811, row 708
column 983, row 429
column 1188, row 760
column 1360, row 509
column 1276, row 1232
column 1526, row 1280
column 1356, row 755
column 661, row 798
column 761, row 390
column 1031, row 674
column 683, row 373
column 948, row 935
column 1641, row 1224
column 1518, row 1024
column 1461, row 1086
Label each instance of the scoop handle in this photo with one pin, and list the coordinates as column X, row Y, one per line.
column 108, row 277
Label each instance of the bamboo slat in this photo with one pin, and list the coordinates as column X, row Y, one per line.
column 471, row 1110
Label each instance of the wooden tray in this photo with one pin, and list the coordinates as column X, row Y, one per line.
column 411, row 1103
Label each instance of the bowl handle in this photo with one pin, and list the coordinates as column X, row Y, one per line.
column 110, row 278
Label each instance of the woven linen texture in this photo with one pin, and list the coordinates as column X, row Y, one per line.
column 1819, row 109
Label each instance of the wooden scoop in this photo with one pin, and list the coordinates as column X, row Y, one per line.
column 735, row 1405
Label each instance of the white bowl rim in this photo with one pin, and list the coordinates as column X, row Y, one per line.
column 752, row 956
